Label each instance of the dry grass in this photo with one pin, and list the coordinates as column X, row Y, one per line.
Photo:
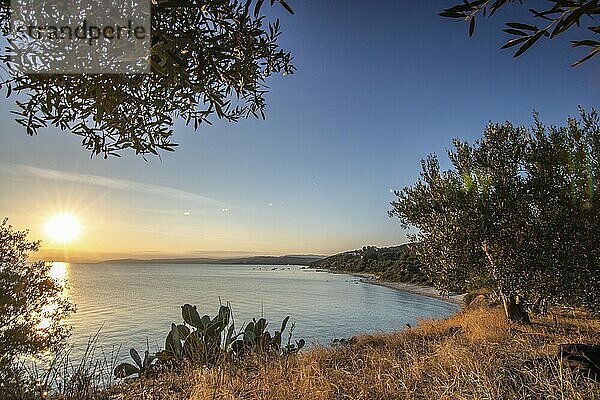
column 475, row 354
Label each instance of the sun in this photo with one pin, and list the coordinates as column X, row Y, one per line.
column 62, row 228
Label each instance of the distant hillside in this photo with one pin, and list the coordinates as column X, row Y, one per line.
column 254, row 260
column 394, row 264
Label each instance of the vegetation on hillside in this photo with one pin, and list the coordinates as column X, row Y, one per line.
column 394, row 264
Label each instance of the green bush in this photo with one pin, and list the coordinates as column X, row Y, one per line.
column 209, row 341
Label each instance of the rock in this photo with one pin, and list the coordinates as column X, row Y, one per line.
column 344, row 342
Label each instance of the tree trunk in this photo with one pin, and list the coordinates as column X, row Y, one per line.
column 514, row 309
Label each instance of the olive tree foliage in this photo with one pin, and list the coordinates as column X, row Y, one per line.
column 28, row 296
column 556, row 18
column 209, row 58
column 563, row 166
column 518, row 211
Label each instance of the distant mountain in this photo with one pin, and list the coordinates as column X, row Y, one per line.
column 251, row 260
column 394, row 264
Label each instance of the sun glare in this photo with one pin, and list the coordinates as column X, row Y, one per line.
column 62, row 228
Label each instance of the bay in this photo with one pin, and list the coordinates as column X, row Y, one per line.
column 132, row 305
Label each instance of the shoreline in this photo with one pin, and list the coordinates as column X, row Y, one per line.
column 413, row 288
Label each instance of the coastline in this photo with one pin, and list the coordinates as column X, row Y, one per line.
column 422, row 290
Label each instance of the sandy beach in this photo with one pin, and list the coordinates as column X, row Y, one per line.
column 423, row 290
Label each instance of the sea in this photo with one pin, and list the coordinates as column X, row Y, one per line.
column 122, row 306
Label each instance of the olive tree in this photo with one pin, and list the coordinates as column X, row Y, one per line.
column 517, row 211
column 556, row 18
column 28, row 296
column 563, row 166
column 209, row 58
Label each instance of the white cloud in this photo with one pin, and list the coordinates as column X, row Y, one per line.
column 117, row 184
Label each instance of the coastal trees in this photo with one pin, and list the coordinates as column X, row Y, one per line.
column 517, row 211
column 31, row 303
column 396, row 263
column 556, row 18
column 208, row 59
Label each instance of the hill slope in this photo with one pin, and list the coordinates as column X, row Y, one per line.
column 394, row 264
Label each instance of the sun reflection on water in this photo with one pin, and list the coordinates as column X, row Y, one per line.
column 59, row 272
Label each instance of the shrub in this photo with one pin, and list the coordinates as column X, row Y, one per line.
column 28, row 296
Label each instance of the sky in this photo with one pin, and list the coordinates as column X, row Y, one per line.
column 379, row 86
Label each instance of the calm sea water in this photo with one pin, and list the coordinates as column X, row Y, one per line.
column 137, row 302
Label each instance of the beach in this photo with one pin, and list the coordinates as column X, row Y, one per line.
column 422, row 290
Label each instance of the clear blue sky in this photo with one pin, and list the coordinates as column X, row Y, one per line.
column 379, row 86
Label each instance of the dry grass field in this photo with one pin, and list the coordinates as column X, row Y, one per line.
column 475, row 354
